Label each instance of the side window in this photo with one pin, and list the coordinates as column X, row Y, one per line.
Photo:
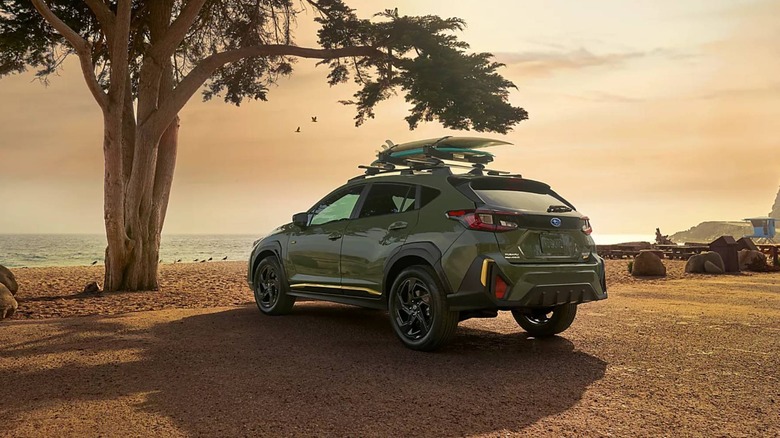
column 336, row 207
column 388, row 199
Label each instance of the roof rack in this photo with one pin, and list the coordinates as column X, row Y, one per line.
column 438, row 166
column 436, row 155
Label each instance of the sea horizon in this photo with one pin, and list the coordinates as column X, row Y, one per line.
column 84, row 249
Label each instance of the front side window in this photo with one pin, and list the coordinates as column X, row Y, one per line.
column 388, row 199
column 336, row 207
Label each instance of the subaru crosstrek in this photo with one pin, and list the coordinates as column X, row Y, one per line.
column 434, row 248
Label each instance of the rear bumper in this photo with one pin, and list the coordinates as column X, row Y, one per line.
column 529, row 285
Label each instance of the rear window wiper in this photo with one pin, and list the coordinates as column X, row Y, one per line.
column 558, row 209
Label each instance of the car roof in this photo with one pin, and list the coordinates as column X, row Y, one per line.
column 434, row 178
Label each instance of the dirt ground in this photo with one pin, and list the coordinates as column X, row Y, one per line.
column 690, row 355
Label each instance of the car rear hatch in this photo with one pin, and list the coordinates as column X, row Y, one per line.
column 531, row 223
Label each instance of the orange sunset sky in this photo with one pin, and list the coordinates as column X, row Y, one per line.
column 643, row 114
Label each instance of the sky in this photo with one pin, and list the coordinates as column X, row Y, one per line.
column 642, row 114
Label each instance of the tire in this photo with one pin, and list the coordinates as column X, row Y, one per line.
column 546, row 321
column 270, row 288
column 418, row 310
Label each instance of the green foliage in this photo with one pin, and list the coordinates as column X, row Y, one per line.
column 419, row 56
column 630, row 266
column 425, row 60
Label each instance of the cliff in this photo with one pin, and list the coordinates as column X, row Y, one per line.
column 775, row 213
column 706, row 232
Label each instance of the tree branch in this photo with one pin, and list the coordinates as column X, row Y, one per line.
column 176, row 32
column 103, row 14
column 119, row 54
column 171, row 106
column 83, row 51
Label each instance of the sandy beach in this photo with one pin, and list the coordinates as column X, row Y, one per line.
column 689, row 355
column 56, row 291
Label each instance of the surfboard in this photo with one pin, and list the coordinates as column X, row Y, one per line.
column 445, row 148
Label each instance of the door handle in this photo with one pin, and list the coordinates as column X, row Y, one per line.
column 397, row 225
column 334, row 235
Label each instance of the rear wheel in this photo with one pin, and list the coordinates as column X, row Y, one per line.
column 546, row 321
column 271, row 288
column 418, row 310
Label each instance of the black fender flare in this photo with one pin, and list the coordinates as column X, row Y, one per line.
column 274, row 247
column 427, row 251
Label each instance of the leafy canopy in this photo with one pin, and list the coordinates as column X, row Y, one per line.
column 421, row 57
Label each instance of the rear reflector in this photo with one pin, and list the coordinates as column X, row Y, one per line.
column 500, row 289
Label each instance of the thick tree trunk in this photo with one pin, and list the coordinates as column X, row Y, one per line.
column 113, row 205
column 133, row 250
column 146, row 161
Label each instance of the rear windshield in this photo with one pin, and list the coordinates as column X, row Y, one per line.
column 519, row 195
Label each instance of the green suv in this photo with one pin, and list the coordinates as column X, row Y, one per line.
column 434, row 248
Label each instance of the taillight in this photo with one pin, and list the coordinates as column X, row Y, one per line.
column 484, row 220
column 586, row 228
column 500, row 289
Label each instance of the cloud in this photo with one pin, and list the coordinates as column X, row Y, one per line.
column 750, row 92
column 546, row 63
column 604, row 97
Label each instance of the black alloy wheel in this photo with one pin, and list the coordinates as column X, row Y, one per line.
column 418, row 310
column 547, row 321
column 271, row 288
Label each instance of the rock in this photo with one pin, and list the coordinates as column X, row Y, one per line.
column 648, row 264
column 712, row 268
column 696, row 263
column 753, row 261
column 92, row 288
column 8, row 304
column 7, row 278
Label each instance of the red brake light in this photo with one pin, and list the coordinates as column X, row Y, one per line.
column 586, row 228
column 484, row 220
column 500, row 289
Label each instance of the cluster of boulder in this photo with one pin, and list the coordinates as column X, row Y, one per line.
column 648, row 263
column 8, row 288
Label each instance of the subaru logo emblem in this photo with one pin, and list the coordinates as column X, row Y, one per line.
column 556, row 222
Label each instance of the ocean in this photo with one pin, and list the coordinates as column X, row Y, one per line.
column 18, row 250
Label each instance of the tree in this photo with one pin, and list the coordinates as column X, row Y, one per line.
column 143, row 60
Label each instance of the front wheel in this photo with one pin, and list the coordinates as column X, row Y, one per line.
column 271, row 288
column 418, row 310
column 546, row 321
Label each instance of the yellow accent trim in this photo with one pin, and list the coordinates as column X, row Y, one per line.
column 331, row 286
column 483, row 277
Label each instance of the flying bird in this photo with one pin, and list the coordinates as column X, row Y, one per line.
column 314, row 119
column 210, row 258
column 93, row 263
column 224, row 258
column 203, row 261
column 177, row 261
column 298, row 130
column 195, row 260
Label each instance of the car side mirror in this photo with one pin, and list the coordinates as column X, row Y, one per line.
column 301, row 219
